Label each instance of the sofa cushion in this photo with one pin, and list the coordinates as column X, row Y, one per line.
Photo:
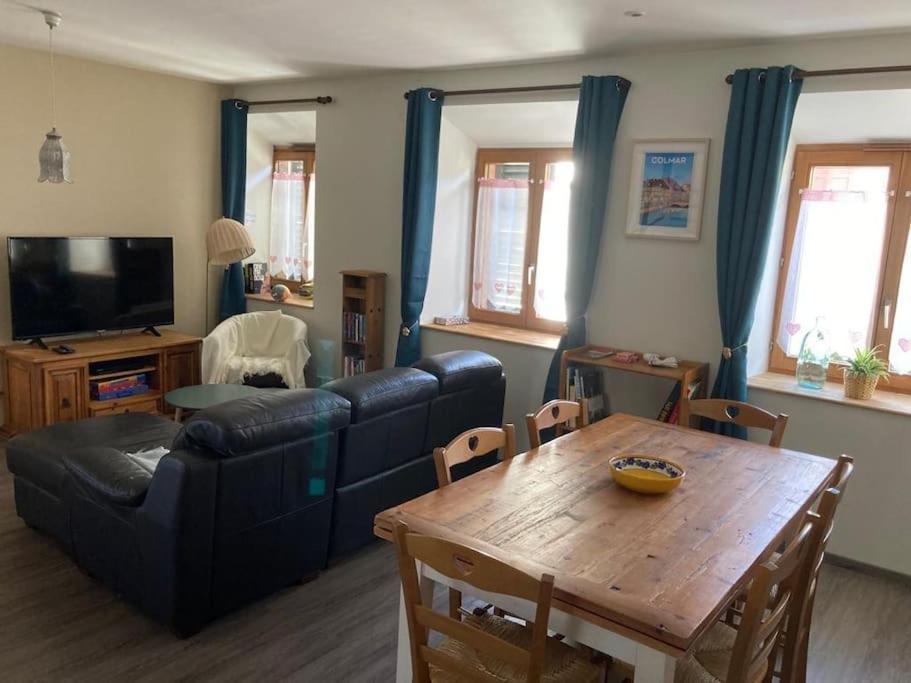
column 38, row 455
column 457, row 370
column 109, row 473
column 383, row 391
column 266, row 419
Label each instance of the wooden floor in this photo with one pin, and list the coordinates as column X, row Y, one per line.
column 58, row 624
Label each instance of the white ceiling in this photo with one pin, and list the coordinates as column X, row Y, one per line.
column 860, row 116
column 284, row 128
column 526, row 124
column 240, row 40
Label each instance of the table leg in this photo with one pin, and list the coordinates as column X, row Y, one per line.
column 653, row 666
column 403, row 669
column 178, row 414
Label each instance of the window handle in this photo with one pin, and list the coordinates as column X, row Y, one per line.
column 530, row 275
column 887, row 313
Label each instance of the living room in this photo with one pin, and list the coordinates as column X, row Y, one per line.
column 143, row 122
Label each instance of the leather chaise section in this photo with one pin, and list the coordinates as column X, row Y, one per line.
column 110, row 474
column 459, row 370
column 379, row 392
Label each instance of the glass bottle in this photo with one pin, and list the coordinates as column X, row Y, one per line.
column 813, row 358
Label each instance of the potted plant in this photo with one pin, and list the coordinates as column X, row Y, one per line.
column 863, row 373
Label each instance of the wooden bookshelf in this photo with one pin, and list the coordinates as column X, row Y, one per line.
column 363, row 313
column 686, row 373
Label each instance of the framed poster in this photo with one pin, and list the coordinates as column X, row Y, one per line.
column 667, row 188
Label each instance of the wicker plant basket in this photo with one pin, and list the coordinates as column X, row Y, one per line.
column 860, row 386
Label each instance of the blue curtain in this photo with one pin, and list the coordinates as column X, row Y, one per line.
column 422, row 148
column 759, row 124
column 601, row 101
column 233, row 194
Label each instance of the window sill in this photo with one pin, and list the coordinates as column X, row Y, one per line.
column 510, row 335
column 882, row 401
column 293, row 300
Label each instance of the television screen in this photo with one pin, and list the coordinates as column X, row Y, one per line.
column 65, row 285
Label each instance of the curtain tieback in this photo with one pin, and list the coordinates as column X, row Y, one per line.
column 405, row 330
column 727, row 351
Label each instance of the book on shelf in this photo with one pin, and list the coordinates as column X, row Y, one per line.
column 355, row 325
column 254, row 273
column 584, row 382
column 353, row 365
column 670, row 411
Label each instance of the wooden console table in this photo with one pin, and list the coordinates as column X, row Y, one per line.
column 686, row 373
column 43, row 387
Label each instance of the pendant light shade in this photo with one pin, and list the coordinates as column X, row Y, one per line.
column 54, row 159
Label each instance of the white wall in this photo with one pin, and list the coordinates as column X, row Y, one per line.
column 145, row 162
column 258, row 208
column 447, row 286
column 649, row 295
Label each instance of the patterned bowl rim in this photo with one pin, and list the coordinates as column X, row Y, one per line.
column 654, row 458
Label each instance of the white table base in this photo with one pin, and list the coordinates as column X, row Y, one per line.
column 652, row 666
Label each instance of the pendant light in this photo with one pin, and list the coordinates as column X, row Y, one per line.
column 53, row 158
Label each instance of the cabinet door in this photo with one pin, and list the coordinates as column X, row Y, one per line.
column 19, row 398
column 181, row 367
column 64, row 395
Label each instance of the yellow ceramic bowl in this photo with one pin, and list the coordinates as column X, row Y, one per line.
column 645, row 473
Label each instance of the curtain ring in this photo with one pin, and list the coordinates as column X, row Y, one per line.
column 239, row 104
column 432, row 95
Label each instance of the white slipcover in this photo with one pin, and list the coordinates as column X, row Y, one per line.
column 256, row 344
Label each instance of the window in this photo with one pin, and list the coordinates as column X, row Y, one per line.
column 291, row 234
column 520, row 238
column 845, row 258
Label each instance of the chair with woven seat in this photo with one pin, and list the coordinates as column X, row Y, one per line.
column 468, row 445
column 483, row 647
column 797, row 636
column 551, row 414
column 741, row 414
column 748, row 654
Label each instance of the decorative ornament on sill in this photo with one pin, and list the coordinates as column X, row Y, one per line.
column 54, row 158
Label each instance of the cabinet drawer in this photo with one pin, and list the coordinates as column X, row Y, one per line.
column 116, row 408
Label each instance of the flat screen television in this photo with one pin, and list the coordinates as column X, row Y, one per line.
column 67, row 285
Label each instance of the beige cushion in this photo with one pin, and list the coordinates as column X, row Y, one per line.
column 711, row 659
column 564, row 663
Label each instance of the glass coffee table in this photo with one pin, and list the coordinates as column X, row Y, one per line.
column 201, row 396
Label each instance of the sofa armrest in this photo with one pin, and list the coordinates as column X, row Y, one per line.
column 110, row 474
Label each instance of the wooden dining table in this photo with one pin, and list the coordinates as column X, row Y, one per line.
column 638, row 577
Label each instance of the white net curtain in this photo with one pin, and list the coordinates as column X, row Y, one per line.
column 292, row 225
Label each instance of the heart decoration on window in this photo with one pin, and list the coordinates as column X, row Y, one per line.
column 792, row 328
column 477, row 286
column 272, row 259
column 498, row 286
column 511, row 288
column 904, row 344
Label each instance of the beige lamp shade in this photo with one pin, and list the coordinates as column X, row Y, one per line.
column 228, row 241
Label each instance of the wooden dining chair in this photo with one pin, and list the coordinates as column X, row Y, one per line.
column 742, row 414
column 551, row 414
column 748, row 654
column 796, row 640
column 483, row 647
column 472, row 444
column 468, row 445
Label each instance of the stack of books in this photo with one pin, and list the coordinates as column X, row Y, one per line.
column 670, row 411
column 120, row 387
column 354, row 365
column 254, row 273
column 583, row 382
column 355, row 327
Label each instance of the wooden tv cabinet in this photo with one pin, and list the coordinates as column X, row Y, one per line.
column 42, row 387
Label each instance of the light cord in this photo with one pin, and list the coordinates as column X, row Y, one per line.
column 50, row 42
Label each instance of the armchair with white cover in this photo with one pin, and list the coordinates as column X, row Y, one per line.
column 255, row 345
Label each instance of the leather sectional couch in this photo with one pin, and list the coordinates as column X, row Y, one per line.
column 255, row 493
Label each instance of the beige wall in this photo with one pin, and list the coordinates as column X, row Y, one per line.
column 145, row 161
column 650, row 295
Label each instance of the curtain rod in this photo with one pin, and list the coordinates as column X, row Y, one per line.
column 800, row 73
column 322, row 99
column 435, row 93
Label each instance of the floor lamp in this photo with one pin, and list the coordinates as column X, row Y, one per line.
column 227, row 242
